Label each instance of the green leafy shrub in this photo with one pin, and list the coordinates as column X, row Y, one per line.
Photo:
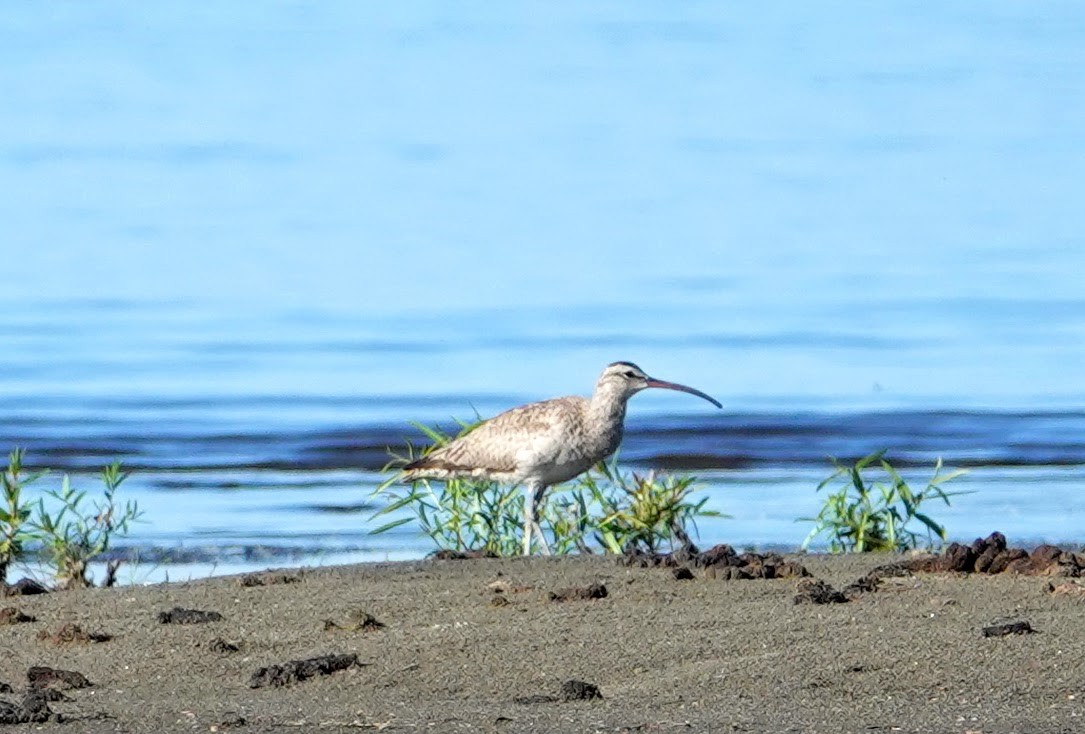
column 458, row 514
column 15, row 514
column 82, row 529
column 866, row 514
column 639, row 513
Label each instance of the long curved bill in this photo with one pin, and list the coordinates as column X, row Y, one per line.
column 652, row 382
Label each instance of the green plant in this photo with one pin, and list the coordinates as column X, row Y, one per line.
column 14, row 532
column 457, row 514
column 640, row 513
column 874, row 514
column 82, row 529
column 613, row 511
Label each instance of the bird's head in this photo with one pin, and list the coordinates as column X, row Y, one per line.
column 627, row 379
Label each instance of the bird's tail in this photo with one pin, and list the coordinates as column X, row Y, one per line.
column 430, row 467
column 415, row 465
column 440, row 467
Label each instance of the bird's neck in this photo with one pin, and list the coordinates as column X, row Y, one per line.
column 607, row 408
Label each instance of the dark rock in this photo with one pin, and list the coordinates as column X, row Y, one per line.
column 995, row 540
column 580, row 593
column 731, row 566
column 865, row 585
column 682, row 574
column 899, row 569
column 35, row 706
column 178, row 615
column 578, row 690
column 72, row 633
column 815, row 591
column 11, row 713
column 752, row 565
column 11, row 615
column 1022, row 565
column 684, row 554
column 722, row 572
column 25, row 587
column 40, row 676
column 571, row 690
column 959, row 558
column 52, row 694
column 1045, row 555
column 32, row 710
column 636, row 558
column 1068, row 566
column 992, row 555
column 790, row 570
column 1004, row 558
column 986, row 558
column 722, row 554
column 455, row 555
column 222, row 646
column 296, row 671
column 1010, row 628
column 721, row 558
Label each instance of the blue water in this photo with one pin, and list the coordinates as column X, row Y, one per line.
column 245, row 245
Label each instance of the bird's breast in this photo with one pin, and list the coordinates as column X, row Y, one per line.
column 568, row 455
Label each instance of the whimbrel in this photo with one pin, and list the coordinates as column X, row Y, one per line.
column 545, row 443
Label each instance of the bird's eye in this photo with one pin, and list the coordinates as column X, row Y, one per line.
column 630, row 373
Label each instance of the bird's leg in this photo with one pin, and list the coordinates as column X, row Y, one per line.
column 532, row 501
column 529, row 519
column 536, row 500
column 542, row 540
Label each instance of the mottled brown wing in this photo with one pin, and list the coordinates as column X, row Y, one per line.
column 495, row 447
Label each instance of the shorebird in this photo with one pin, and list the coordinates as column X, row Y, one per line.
column 542, row 444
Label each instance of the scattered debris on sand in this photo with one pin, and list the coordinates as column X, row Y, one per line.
column 72, row 633
column 1067, row 588
column 179, row 615
column 33, row 709
column 23, row 587
column 580, row 593
column 223, row 647
column 571, row 690
column 446, row 554
column 268, row 578
column 682, row 573
column 816, row 591
column 42, row 676
column 358, row 620
column 991, row 555
column 720, row 561
column 229, row 720
column 11, row 615
column 296, row 671
column 1009, row 628
column 578, row 690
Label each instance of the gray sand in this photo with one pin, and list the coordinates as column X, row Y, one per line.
column 704, row 655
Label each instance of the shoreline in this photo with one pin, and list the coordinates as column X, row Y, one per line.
column 144, row 573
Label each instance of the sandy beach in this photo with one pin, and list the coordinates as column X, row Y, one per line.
column 481, row 645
